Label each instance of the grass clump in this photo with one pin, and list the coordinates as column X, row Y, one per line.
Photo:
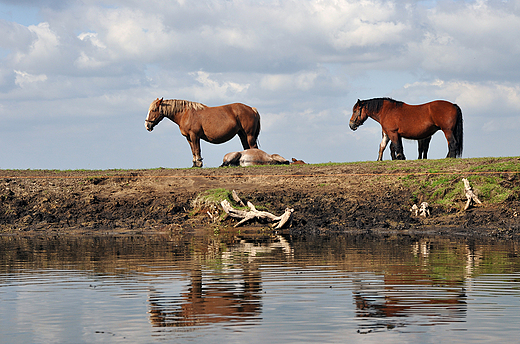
column 490, row 188
column 444, row 190
column 209, row 200
column 447, row 190
column 490, row 165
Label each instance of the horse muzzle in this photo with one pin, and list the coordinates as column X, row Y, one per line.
column 148, row 125
column 353, row 125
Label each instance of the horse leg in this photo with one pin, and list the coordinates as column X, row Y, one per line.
column 424, row 144
column 231, row 159
column 392, row 151
column 252, row 140
column 382, row 146
column 397, row 142
column 244, row 140
column 195, row 150
column 452, row 144
column 248, row 141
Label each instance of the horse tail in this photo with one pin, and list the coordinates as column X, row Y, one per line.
column 257, row 131
column 458, row 132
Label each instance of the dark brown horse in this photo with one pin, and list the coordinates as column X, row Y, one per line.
column 423, row 144
column 400, row 120
column 212, row 124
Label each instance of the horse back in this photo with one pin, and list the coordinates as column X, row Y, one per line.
column 236, row 111
column 419, row 121
column 444, row 114
column 245, row 113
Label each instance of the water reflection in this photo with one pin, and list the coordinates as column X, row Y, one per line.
column 208, row 301
column 234, row 294
column 385, row 302
column 262, row 284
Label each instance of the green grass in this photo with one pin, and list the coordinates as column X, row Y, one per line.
column 498, row 166
column 490, row 188
column 211, row 197
column 448, row 189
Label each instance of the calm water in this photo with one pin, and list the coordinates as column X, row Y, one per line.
column 247, row 289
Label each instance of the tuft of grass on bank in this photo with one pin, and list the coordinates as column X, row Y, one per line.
column 210, row 199
column 447, row 190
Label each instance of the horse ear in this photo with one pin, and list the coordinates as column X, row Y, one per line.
column 159, row 101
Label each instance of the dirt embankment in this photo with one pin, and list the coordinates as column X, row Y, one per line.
column 337, row 198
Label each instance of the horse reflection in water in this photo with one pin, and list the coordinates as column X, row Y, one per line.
column 405, row 291
column 207, row 302
column 225, row 297
column 398, row 300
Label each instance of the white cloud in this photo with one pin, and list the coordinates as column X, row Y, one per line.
column 92, row 38
column 43, row 49
column 490, row 97
column 213, row 89
column 88, row 60
column 471, row 39
column 303, row 81
column 24, row 79
column 14, row 35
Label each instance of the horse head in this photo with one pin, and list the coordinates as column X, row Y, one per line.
column 155, row 114
column 277, row 159
column 358, row 115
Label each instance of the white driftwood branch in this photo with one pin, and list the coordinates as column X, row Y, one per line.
column 253, row 213
column 469, row 194
column 424, row 210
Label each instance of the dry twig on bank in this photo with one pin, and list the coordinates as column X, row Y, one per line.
column 472, row 198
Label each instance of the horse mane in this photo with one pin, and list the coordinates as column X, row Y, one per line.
column 174, row 106
column 374, row 105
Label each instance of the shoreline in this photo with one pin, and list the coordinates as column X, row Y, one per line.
column 336, row 198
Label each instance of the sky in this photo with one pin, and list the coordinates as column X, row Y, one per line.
column 77, row 77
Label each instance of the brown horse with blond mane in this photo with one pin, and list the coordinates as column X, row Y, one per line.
column 217, row 124
column 417, row 122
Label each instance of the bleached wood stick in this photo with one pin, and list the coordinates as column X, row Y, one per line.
column 469, row 194
column 286, row 217
column 232, row 211
column 254, row 213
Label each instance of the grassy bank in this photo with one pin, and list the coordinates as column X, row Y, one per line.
column 325, row 197
column 439, row 182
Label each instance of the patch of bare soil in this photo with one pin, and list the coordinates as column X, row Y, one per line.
column 350, row 198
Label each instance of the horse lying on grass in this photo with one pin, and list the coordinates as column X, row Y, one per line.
column 253, row 156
